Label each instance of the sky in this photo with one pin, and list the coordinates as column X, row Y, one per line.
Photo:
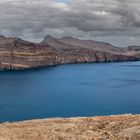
column 113, row 21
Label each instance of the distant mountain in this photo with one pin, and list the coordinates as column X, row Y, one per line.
column 16, row 53
column 59, row 45
column 71, row 42
column 133, row 48
column 133, row 51
column 90, row 44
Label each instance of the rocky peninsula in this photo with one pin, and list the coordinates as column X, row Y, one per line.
column 121, row 127
column 16, row 53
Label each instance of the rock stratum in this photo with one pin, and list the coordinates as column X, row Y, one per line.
column 17, row 54
column 121, row 127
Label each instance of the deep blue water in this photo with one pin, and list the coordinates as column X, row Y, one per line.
column 70, row 90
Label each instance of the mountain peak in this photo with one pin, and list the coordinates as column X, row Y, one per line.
column 48, row 38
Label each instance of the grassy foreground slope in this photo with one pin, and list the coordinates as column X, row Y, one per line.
column 123, row 127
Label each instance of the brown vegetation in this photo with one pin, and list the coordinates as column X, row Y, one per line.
column 123, row 127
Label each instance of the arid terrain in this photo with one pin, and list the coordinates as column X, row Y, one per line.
column 121, row 127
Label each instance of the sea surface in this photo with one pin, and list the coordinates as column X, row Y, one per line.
column 70, row 91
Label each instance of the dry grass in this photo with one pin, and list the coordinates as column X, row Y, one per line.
column 124, row 127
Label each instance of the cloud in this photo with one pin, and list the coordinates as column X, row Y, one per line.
column 81, row 18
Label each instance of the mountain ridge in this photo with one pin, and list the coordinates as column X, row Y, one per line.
column 16, row 53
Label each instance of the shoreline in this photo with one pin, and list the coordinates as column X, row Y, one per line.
column 51, row 66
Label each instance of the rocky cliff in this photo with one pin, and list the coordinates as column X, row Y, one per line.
column 16, row 53
column 133, row 51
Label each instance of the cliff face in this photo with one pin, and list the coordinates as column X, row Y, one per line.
column 88, row 50
column 16, row 53
column 133, row 51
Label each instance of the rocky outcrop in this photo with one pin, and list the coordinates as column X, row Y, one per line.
column 133, row 51
column 94, row 45
column 16, row 53
column 88, row 50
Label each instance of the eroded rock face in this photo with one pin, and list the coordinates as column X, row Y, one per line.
column 133, row 51
column 16, row 53
column 88, row 50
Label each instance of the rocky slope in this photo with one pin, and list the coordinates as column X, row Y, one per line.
column 133, row 51
column 123, row 127
column 94, row 45
column 16, row 53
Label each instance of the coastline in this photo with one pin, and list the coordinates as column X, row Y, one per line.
column 51, row 66
column 115, row 127
column 18, row 54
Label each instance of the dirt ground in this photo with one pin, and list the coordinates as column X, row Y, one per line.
column 121, row 127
